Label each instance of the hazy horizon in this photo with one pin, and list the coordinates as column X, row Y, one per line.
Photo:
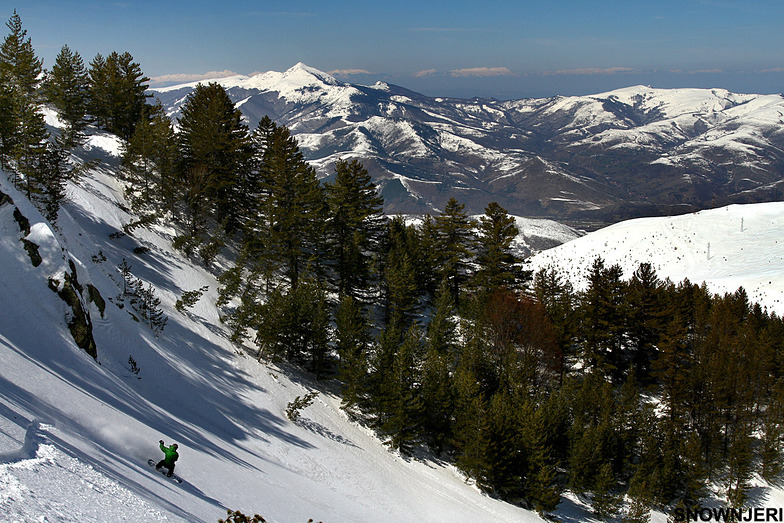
column 499, row 49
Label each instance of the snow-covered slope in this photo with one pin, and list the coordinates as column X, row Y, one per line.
column 728, row 247
column 75, row 433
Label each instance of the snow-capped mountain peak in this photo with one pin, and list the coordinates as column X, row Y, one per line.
column 624, row 153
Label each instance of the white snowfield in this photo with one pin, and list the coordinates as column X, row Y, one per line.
column 728, row 247
column 75, row 434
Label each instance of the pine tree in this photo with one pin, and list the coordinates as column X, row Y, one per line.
column 30, row 147
column 52, row 172
column 67, row 88
column 401, row 294
column 8, row 125
column 773, row 427
column 645, row 318
column 453, row 246
column 437, row 386
column 606, row 501
column 149, row 158
column 352, row 342
column 507, row 459
column 498, row 266
column 406, row 410
column 603, row 319
column 19, row 67
column 547, row 445
column 214, row 142
column 24, row 133
column 355, row 225
column 559, row 300
column 118, row 93
column 472, row 426
column 294, row 205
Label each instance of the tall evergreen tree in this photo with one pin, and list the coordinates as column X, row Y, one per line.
column 214, row 143
column 20, row 68
column 352, row 343
column 67, row 88
column 118, row 93
column 453, row 246
column 603, row 319
column 497, row 263
column 405, row 416
column 294, row 205
column 24, row 132
column 437, row 382
column 150, row 158
column 355, row 225
column 646, row 318
column 401, row 295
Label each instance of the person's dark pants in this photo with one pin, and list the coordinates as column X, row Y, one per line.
column 169, row 466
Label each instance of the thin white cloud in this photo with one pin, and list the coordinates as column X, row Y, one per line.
column 348, row 72
column 773, row 70
column 426, row 72
column 181, row 78
column 446, row 29
column 590, row 71
column 482, row 72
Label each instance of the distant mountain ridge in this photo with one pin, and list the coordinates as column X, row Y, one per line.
column 606, row 157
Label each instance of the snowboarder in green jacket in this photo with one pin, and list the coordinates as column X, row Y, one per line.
column 170, row 456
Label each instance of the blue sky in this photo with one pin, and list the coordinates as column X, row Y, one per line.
column 503, row 49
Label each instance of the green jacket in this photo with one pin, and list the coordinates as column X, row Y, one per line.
column 170, row 454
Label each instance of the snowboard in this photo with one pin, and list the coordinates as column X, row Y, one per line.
column 173, row 477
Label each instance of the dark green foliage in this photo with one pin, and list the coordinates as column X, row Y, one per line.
column 352, row 342
column 294, row 208
column 646, row 317
column 298, row 404
column 603, row 320
column 355, row 226
column 498, row 266
column 66, row 87
column 118, row 93
column 214, row 150
column 399, row 283
column 235, row 516
column 405, row 409
column 452, row 237
column 150, row 158
column 189, row 298
column 19, row 67
column 437, row 387
column 291, row 325
column 606, row 501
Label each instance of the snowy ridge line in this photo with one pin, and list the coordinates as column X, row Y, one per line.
column 727, row 248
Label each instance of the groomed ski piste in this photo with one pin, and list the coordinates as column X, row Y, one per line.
column 76, row 433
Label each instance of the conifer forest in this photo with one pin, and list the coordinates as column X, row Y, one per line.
column 432, row 329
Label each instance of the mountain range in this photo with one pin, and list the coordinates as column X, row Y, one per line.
column 637, row 151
